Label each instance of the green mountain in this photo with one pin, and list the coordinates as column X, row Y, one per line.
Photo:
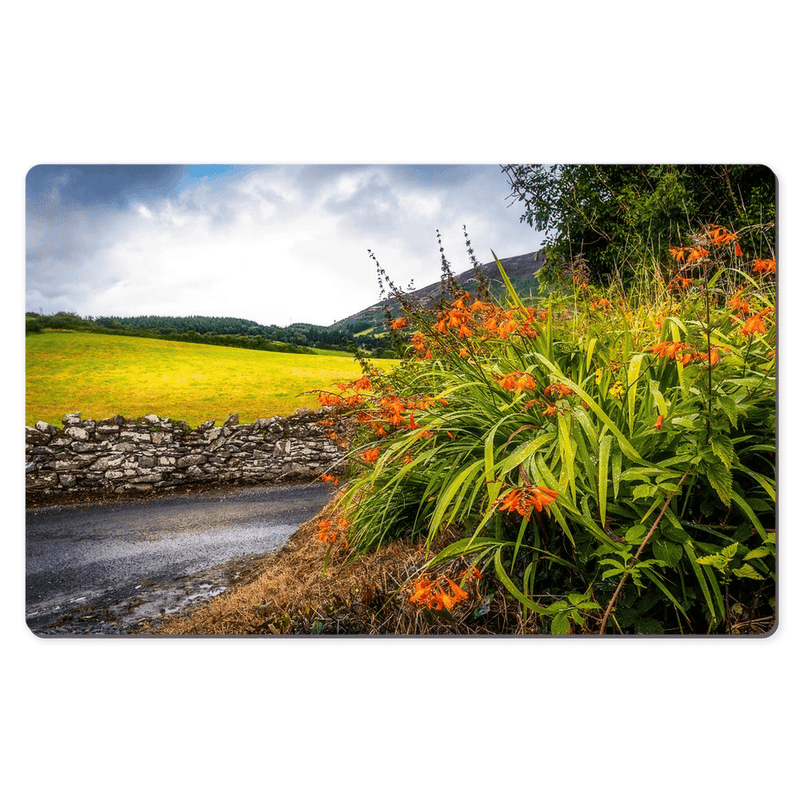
column 521, row 271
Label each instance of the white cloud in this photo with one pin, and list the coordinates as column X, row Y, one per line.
column 275, row 245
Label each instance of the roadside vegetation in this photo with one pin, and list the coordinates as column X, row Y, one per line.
column 596, row 461
column 597, row 458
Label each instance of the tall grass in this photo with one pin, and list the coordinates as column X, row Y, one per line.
column 607, row 458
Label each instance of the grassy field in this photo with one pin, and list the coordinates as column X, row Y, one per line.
column 101, row 376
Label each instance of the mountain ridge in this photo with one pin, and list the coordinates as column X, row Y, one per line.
column 520, row 269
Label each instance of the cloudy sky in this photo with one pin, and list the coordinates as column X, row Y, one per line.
column 275, row 244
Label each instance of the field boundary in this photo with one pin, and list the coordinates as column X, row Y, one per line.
column 152, row 454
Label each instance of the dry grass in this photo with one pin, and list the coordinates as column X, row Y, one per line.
column 293, row 594
column 307, row 589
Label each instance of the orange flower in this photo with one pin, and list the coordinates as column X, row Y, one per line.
column 558, row 388
column 471, row 574
column 720, row 235
column 330, row 479
column 328, row 399
column 430, row 593
column 601, row 302
column 371, row 455
column 659, row 422
column 667, row 349
column 679, row 282
column 324, row 532
column 713, row 356
column 764, row 265
column 458, row 593
column 418, row 341
column 399, row 323
column 508, row 381
column 525, row 381
column 754, row 325
column 696, row 253
column 678, row 253
column 526, row 498
column 507, row 328
column 738, row 303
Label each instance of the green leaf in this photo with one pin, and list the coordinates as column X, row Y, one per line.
column 719, row 476
column 723, row 449
column 560, row 624
column 512, row 292
column 444, row 499
column 668, row 552
column 747, row 571
column 616, row 470
column 499, row 570
column 758, row 552
column 643, row 491
column 729, row 407
column 624, row 444
column 636, row 534
column 602, row 477
column 634, row 368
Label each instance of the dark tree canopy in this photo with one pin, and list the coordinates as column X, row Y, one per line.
column 617, row 216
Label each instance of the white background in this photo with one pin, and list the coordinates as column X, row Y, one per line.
column 358, row 82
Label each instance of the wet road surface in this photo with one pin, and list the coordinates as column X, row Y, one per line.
column 106, row 568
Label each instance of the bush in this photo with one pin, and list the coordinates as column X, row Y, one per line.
column 607, row 466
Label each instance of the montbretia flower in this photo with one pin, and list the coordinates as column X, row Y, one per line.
column 667, row 349
column 764, row 265
column 472, row 573
column 754, row 325
column 527, row 498
column 433, row 594
column 558, row 388
column 659, row 424
column 371, row 455
column 399, row 323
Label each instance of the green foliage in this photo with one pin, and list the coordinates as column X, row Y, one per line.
column 618, row 217
column 586, row 454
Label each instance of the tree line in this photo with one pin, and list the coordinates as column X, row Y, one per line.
column 221, row 331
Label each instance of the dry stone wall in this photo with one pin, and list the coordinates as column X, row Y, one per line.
column 122, row 455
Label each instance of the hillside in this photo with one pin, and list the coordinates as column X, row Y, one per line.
column 366, row 327
column 521, row 271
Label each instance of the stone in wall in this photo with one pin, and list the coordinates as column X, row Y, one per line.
column 120, row 455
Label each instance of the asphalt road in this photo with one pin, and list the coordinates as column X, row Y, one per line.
column 99, row 569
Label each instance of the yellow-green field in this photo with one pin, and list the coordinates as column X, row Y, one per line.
column 101, row 376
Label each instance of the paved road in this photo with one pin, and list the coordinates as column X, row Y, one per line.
column 103, row 569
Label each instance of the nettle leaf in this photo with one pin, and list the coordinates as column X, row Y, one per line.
column 643, row 491
column 560, row 624
column 721, row 559
column 719, row 476
column 723, row 449
column 636, row 534
column 758, row 552
column 729, row 407
column 668, row 552
column 747, row 571
column 648, row 626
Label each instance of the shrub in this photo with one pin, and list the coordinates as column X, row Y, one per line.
column 610, row 467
